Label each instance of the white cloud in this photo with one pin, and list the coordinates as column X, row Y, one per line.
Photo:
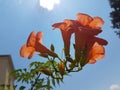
column 115, row 87
column 48, row 4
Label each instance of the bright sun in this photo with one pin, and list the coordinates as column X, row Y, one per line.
column 48, row 4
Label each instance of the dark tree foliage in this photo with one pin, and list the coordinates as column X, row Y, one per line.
column 115, row 15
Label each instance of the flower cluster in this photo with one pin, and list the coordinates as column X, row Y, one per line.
column 88, row 47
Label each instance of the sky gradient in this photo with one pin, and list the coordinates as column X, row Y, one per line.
column 19, row 17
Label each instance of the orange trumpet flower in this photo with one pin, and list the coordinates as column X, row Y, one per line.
column 85, row 38
column 34, row 44
column 67, row 29
column 95, row 50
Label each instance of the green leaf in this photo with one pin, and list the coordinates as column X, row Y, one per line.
column 47, row 64
column 19, row 79
column 36, row 64
column 22, row 88
column 53, row 82
column 58, row 81
column 61, row 80
column 48, row 83
column 24, row 69
column 32, row 64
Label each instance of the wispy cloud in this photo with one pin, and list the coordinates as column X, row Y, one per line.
column 48, row 4
column 115, row 87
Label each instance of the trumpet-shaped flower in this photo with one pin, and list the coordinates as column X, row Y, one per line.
column 67, row 29
column 89, row 27
column 95, row 50
column 34, row 44
column 87, row 45
column 85, row 38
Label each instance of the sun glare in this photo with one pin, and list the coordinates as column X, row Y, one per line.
column 48, row 4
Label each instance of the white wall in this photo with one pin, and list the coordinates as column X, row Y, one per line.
column 6, row 66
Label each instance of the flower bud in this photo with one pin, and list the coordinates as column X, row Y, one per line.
column 61, row 67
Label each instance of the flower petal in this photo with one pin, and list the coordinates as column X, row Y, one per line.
column 100, row 41
column 92, row 61
column 97, row 52
column 84, row 19
column 27, row 51
column 96, row 23
column 92, row 40
column 31, row 39
column 60, row 25
column 39, row 37
column 89, row 31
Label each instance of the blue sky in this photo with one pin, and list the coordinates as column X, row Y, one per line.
column 19, row 17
